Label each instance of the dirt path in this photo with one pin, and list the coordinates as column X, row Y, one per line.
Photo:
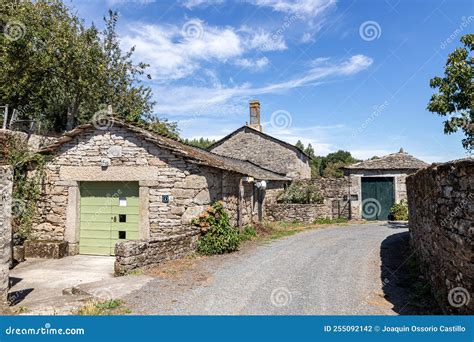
column 334, row 270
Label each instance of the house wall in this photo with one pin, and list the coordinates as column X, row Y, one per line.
column 441, row 209
column 355, row 186
column 6, row 184
column 248, row 145
column 159, row 172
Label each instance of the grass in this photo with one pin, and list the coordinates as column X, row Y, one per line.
column 103, row 308
column 281, row 229
column 248, row 233
column 21, row 309
column 327, row 220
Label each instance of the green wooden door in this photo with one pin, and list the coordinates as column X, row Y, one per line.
column 109, row 213
column 378, row 196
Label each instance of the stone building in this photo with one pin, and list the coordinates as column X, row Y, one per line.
column 250, row 143
column 376, row 184
column 108, row 185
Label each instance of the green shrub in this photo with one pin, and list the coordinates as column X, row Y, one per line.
column 399, row 211
column 218, row 235
column 301, row 193
column 248, row 233
column 26, row 185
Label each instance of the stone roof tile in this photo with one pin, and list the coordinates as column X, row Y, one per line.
column 394, row 161
column 191, row 153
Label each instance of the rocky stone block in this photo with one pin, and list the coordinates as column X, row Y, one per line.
column 46, row 249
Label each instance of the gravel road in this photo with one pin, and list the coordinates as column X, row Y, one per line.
column 330, row 271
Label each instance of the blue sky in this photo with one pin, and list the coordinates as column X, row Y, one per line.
column 350, row 75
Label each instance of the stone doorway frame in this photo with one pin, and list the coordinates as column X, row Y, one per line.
column 71, row 178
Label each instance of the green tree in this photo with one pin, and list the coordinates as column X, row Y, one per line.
column 329, row 166
column 455, row 97
column 55, row 69
column 332, row 164
column 201, row 142
column 300, row 145
column 309, row 151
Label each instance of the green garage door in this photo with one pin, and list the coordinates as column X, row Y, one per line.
column 109, row 214
column 377, row 197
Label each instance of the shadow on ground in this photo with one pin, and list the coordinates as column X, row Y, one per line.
column 403, row 283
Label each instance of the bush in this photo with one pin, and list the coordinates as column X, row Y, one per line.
column 301, row 193
column 248, row 234
column 399, row 211
column 218, row 235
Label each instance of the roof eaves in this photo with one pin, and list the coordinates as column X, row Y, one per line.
column 193, row 154
column 219, row 142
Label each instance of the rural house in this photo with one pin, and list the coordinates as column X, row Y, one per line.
column 122, row 183
column 250, row 143
column 376, row 184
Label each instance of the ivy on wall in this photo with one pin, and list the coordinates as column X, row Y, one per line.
column 28, row 171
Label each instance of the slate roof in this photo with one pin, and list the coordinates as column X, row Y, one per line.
column 190, row 153
column 266, row 136
column 395, row 161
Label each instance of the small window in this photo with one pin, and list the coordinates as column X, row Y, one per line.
column 122, row 234
column 122, row 201
column 122, row 218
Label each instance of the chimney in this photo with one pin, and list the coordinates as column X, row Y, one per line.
column 255, row 115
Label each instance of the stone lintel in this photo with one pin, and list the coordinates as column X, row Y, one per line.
column 109, row 174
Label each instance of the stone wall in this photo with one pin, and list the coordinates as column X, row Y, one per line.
column 131, row 255
column 441, row 207
column 332, row 190
column 266, row 152
column 6, row 183
column 297, row 212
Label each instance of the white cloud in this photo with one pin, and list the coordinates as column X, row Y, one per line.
column 312, row 12
column 191, row 4
column 264, row 41
column 136, row 2
column 188, row 100
column 304, row 8
column 252, row 64
column 175, row 52
column 320, row 137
